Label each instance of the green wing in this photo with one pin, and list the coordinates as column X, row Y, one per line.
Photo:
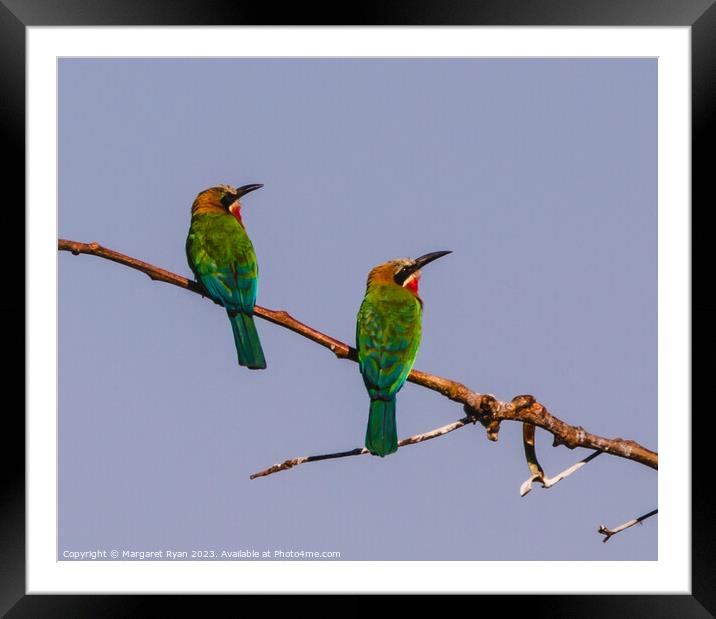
column 388, row 337
column 222, row 258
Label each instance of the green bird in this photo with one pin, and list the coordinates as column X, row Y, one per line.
column 223, row 260
column 388, row 333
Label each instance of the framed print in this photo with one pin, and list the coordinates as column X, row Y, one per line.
column 530, row 171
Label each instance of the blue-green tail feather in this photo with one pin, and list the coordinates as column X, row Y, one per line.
column 248, row 345
column 381, row 438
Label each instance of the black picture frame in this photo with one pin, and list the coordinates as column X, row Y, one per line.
column 17, row 15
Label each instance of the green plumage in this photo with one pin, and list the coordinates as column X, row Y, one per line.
column 222, row 258
column 388, row 336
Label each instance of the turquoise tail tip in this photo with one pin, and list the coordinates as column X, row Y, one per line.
column 246, row 338
column 381, row 437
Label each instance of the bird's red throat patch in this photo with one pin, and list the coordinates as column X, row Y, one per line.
column 235, row 210
column 412, row 284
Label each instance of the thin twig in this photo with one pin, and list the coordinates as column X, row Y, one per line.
column 485, row 408
column 528, row 441
column 548, row 482
column 362, row 451
column 538, row 474
column 607, row 533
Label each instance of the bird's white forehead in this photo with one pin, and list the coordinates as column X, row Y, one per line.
column 227, row 188
column 401, row 262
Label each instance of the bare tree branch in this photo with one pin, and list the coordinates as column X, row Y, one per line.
column 607, row 533
column 485, row 408
column 362, row 451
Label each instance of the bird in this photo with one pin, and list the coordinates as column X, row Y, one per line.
column 388, row 332
column 223, row 260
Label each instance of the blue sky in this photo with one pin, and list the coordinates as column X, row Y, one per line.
column 540, row 175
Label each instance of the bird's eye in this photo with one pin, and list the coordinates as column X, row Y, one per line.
column 227, row 200
column 401, row 275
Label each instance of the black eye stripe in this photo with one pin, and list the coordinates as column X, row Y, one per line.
column 228, row 200
column 401, row 276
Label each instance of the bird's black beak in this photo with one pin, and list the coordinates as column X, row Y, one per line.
column 418, row 264
column 428, row 258
column 242, row 191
